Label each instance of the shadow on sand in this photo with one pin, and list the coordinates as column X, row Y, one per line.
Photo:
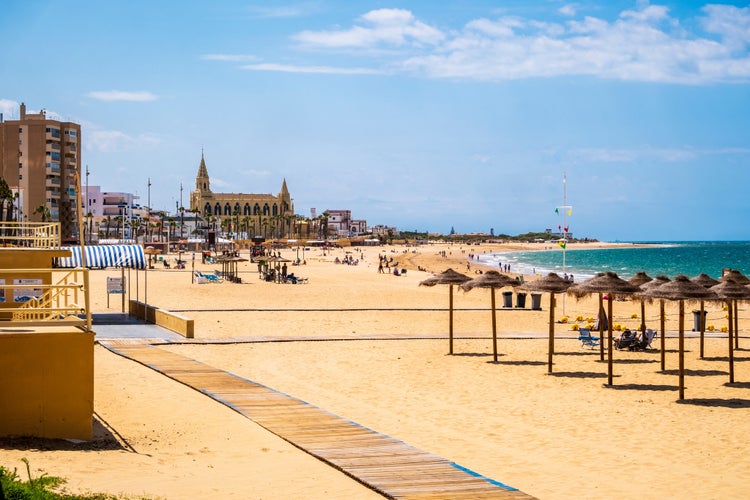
column 105, row 438
column 715, row 402
column 642, row 387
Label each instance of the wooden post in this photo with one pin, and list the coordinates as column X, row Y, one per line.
column 662, row 321
column 643, row 316
column 682, row 349
column 450, row 318
column 494, row 326
column 609, row 339
column 551, row 331
column 601, row 328
column 731, row 350
column 702, row 327
column 736, row 327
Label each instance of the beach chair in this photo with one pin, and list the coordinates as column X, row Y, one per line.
column 628, row 340
column 587, row 340
column 645, row 341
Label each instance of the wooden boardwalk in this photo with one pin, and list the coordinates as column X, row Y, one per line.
column 387, row 465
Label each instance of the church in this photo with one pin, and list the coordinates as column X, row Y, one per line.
column 260, row 213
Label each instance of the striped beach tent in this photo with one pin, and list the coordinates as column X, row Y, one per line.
column 106, row 256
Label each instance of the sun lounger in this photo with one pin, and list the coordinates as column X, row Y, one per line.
column 584, row 335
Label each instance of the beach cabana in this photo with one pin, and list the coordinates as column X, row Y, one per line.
column 658, row 281
column 610, row 284
column 737, row 277
column 681, row 289
column 448, row 277
column 640, row 279
column 492, row 280
column 706, row 281
column 552, row 283
column 731, row 291
column 131, row 256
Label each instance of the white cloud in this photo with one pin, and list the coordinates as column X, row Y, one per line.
column 9, row 108
column 644, row 44
column 287, row 68
column 567, row 10
column 120, row 95
column 392, row 27
column 110, row 141
column 229, row 57
column 668, row 155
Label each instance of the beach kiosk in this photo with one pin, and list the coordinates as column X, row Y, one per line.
column 46, row 340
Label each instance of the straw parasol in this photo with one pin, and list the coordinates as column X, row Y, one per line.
column 492, row 280
column 448, row 277
column 553, row 284
column 611, row 284
column 731, row 291
column 639, row 279
column 707, row 281
column 681, row 288
column 657, row 282
column 737, row 277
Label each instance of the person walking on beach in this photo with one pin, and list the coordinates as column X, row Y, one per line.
column 380, row 266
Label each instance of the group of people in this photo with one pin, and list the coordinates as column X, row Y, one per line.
column 348, row 260
column 385, row 264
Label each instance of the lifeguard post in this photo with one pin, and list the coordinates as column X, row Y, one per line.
column 46, row 340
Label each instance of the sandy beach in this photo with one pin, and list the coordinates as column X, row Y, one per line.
column 373, row 348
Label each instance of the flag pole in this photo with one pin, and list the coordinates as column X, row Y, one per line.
column 567, row 210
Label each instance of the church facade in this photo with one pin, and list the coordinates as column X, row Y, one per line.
column 256, row 214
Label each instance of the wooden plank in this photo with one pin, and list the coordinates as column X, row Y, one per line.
column 387, row 465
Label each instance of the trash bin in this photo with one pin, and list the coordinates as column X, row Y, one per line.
column 521, row 300
column 507, row 299
column 697, row 320
column 536, row 301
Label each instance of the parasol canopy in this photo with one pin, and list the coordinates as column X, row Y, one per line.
column 735, row 275
column 704, row 279
column 640, row 278
column 553, row 284
column 681, row 289
column 489, row 279
column 492, row 280
column 447, row 277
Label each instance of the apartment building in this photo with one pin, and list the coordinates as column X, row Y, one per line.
column 39, row 159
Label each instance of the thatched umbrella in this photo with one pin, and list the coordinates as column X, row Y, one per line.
column 639, row 279
column 656, row 282
column 611, row 284
column 737, row 277
column 681, row 288
column 491, row 280
column 731, row 291
column 448, row 277
column 707, row 281
column 553, row 284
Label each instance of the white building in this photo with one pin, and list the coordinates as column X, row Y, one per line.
column 341, row 224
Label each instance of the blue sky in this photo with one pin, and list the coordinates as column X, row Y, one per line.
column 422, row 115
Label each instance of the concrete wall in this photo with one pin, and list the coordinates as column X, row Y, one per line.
column 161, row 317
column 47, row 384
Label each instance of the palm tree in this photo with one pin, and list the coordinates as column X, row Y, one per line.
column 245, row 225
column 136, row 225
column 43, row 211
column 6, row 195
column 236, row 215
column 108, row 220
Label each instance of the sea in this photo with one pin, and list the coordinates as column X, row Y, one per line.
column 669, row 258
